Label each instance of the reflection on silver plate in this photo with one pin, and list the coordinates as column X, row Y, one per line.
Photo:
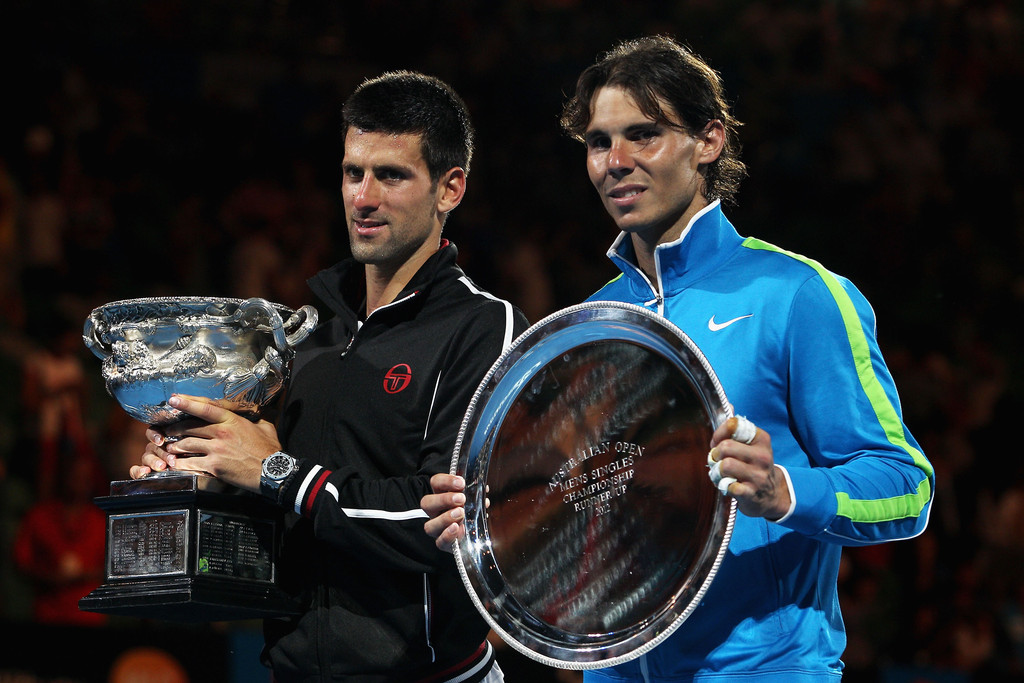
column 589, row 437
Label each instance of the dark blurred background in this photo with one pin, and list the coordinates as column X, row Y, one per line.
column 192, row 147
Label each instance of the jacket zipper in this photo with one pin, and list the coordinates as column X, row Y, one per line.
column 351, row 340
column 427, row 608
column 360, row 323
column 645, row 673
column 658, row 302
column 659, row 297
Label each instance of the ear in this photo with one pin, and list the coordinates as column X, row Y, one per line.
column 713, row 139
column 451, row 187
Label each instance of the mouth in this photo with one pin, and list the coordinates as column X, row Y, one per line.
column 626, row 194
column 367, row 227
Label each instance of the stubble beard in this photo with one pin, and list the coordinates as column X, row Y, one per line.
column 388, row 249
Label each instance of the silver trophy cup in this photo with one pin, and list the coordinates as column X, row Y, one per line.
column 228, row 349
column 184, row 546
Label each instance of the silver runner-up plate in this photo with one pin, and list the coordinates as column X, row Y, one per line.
column 592, row 528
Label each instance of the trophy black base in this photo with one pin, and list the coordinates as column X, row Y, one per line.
column 187, row 548
column 187, row 599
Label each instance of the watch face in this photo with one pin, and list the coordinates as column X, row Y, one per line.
column 278, row 466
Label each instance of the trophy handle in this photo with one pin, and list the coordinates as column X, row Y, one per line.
column 304, row 319
column 91, row 337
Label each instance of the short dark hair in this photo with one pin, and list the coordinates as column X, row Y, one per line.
column 401, row 102
column 655, row 70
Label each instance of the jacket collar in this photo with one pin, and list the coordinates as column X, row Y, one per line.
column 708, row 240
column 342, row 287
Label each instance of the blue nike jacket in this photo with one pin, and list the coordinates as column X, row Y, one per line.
column 794, row 348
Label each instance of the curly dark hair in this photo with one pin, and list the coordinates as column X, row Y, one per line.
column 671, row 85
column 400, row 102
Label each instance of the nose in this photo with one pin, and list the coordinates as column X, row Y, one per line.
column 620, row 159
column 364, row 194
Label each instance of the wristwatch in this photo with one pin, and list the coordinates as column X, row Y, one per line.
column 277, row 468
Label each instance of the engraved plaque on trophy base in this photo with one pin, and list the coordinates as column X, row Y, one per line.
column 188, row 548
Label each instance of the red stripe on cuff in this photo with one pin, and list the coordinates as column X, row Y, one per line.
column 314, row 490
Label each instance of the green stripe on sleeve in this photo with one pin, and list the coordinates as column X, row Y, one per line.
column 901, row 507
column 885, row 509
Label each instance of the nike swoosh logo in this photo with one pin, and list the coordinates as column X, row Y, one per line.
column 715, row 327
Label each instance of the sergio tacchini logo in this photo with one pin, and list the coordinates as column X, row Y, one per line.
column 715, row 327
column 397, row 378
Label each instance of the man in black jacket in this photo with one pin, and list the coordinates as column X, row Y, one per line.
column 373, row 408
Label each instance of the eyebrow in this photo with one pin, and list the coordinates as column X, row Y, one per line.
column 630, row 129
column 379, row 168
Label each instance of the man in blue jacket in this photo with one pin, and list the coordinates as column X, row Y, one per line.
column 829, row 462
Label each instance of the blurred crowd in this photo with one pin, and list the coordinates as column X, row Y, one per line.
column 188, row 147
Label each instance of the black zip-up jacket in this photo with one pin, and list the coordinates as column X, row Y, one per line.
column 371, row 412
